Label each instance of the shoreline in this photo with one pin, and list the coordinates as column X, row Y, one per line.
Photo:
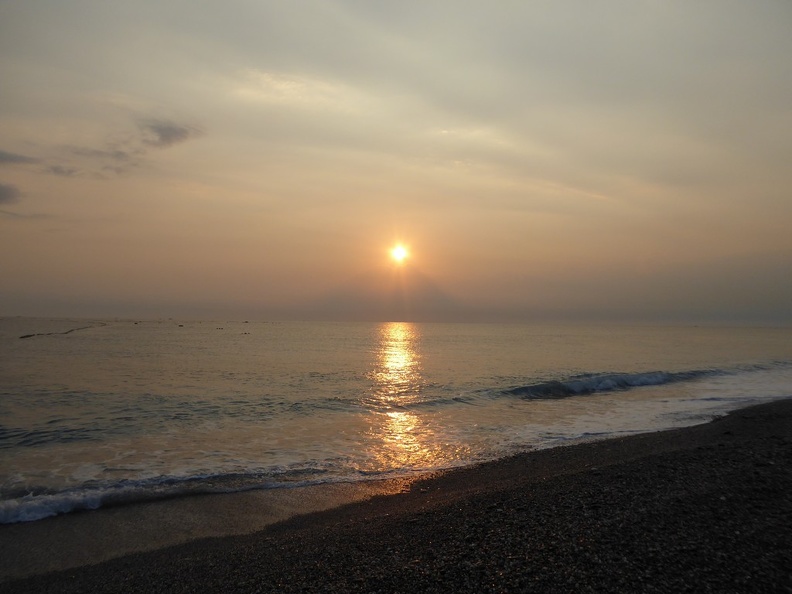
column 80, row 538
column 707, row 504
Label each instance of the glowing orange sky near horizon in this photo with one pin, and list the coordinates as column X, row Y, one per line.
column 546, row 160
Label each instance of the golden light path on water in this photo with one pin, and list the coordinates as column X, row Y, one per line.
column 402, row 438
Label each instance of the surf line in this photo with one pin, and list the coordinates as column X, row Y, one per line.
column 97, row 325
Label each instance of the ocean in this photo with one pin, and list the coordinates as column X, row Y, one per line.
column 104, row 412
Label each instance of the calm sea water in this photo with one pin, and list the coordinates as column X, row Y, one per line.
column 107, row 411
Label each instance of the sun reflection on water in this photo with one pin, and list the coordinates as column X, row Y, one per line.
column 401, row 438
column 398, row 366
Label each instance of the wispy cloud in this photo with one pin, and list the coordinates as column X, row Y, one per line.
column 16, row 215
column 123, row 151
column 292, row 90
column 62, row 170
column 112, row 158
column 14, row 158
column 9, row 194
column 165, row 133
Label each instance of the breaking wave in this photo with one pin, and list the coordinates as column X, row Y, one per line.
column 588, row 383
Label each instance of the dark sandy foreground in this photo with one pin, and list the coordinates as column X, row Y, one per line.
column 703, row 509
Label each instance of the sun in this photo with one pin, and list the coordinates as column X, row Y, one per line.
column 399, row 254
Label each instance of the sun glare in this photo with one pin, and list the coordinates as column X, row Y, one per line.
column 399, row 254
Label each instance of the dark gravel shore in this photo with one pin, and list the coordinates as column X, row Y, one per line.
column 702, row 509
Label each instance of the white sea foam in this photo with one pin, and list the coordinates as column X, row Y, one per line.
column 36, row 507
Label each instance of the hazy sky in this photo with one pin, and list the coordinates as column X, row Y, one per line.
column 609, row 160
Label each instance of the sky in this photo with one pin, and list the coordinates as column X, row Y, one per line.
column 610, row 161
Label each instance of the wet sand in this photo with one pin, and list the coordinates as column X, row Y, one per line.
column 701, row 509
